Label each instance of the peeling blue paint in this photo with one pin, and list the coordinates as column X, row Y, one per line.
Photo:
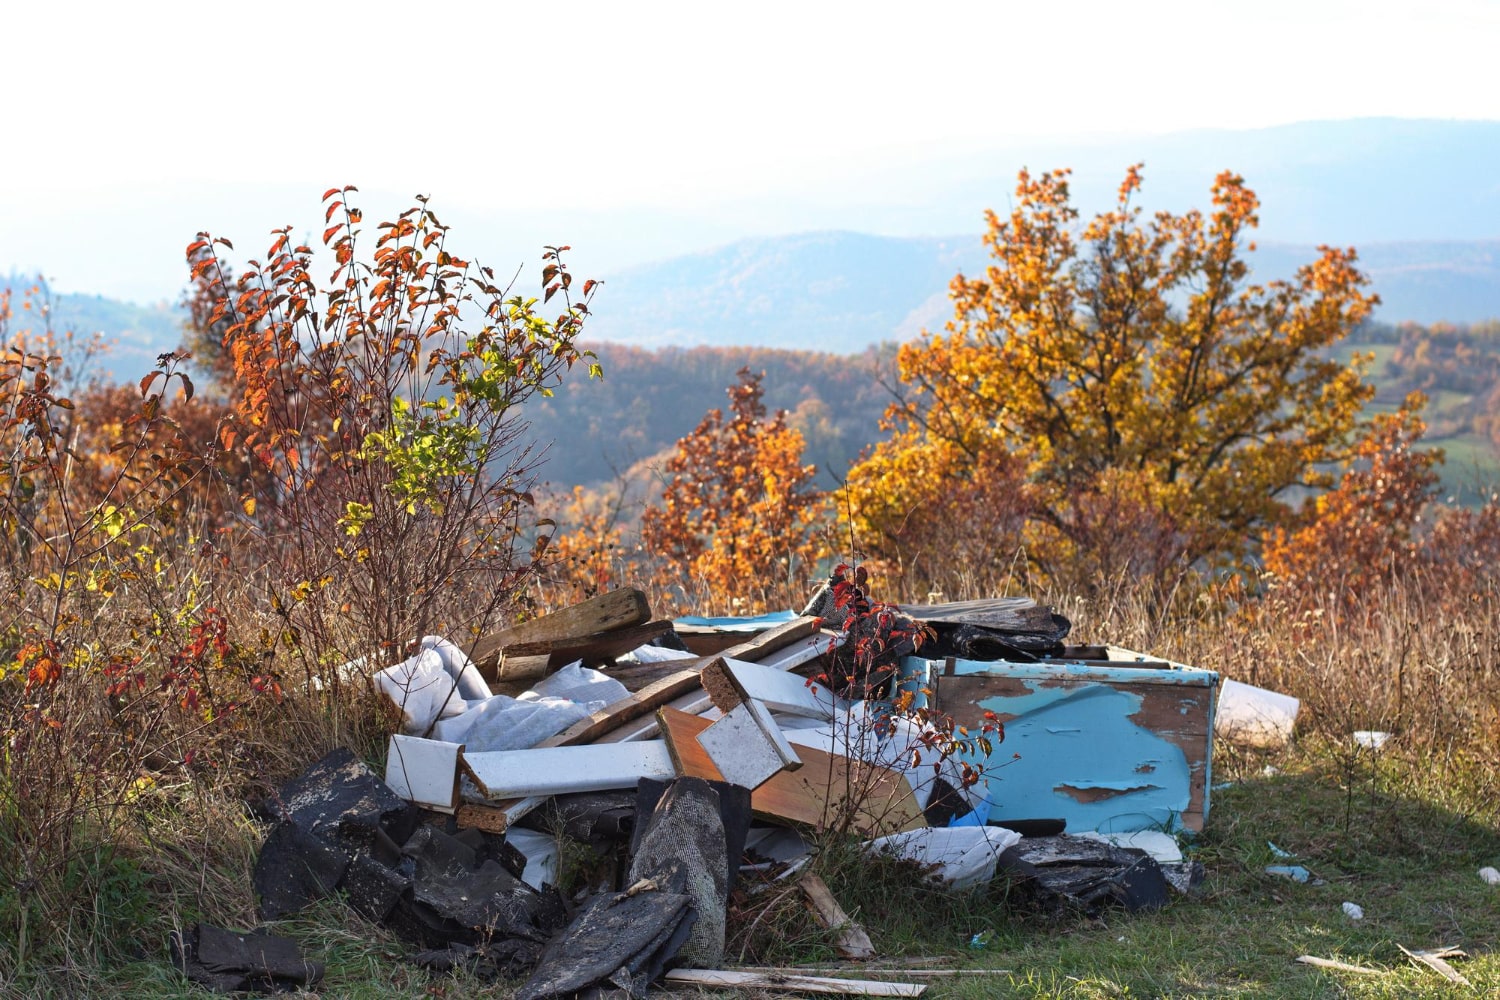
column 1085, row 755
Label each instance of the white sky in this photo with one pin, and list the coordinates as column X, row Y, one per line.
column 635, row 101
column 601, row 106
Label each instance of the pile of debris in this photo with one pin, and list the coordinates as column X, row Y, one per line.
column 682, row 751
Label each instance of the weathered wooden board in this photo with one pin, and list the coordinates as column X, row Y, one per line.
column 616, row 609
column 523, row 661
column 815, row 795
column 1103, row 746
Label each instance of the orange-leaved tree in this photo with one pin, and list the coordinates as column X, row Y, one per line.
column 1158, row 397
column 383, row 410
column 738, row 524
column 1364, row 532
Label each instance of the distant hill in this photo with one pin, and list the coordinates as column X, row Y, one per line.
column 133, row 334
column 843, row 292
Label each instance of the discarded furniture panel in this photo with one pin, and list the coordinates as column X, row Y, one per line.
column 1106, row 744
column 519, row 774
column 1254, row 716
column 776, row 689
column 747, row 746
column 812, row 795
column 424, row 771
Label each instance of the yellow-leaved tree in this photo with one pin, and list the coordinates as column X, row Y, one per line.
column 1115, row 397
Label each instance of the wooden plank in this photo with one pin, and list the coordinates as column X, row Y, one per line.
column 730, row 979
column 643, row 702
column 519, row 774
column 1329, row 963
column 853, row 942
column 616, row 609
column 759, row 646
column 424, row 771
column 883, row 801
column 530, row 660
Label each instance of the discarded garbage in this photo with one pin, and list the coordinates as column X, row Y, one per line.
column 1066, row 871
column 1490, row 875
column 229, row 962
column 1294, row 872
column 1254, row 716
column 1370, row 739
column 457, row 851
column 1277, row 852
column 1353, row 911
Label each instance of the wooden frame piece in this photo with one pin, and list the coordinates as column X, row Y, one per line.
column 520, row 774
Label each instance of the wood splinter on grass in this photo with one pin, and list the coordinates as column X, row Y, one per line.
column 1433, row 959
column 853, row 942
column 730, row 979
column 1328, row 963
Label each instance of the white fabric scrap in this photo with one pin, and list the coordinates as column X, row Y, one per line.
column 657, row 654
column 471, row 683
column 964, row 856
column 502, row 723
column 423, row 690
column 593, row 689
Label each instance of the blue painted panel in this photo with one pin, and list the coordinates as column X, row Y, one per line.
column 756, row 623
column 1088, row 752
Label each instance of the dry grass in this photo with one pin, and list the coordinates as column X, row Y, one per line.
column 112, row 838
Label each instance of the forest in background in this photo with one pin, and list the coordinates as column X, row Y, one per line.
column 649, row 398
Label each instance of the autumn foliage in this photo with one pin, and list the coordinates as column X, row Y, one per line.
column 1154, row 394
column 738, row 519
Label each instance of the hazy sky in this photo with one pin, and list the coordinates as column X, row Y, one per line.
column 114, row 107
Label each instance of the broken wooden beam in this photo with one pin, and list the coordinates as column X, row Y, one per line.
column 852, row 942
column 1337, row 966
column 529, row 661
column 616, row 609
column 1434, row 960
